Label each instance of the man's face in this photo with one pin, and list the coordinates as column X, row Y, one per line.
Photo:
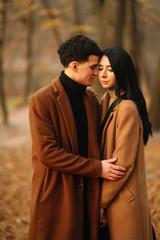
column 87, row 71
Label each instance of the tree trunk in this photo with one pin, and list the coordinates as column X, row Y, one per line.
column 114, row 22
column 131, row 35
column 109, row 18
column 132, row 42
column 154, row 109
column 109, row 29
column 76, row 18
column 2, row 40
column 29, row 54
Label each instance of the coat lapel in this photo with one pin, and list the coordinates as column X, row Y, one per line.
column 104, row 111
column 64, row 104
column 105, row 128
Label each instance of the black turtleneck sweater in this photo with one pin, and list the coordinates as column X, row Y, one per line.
column 75, row 93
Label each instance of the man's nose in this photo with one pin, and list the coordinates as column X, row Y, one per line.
column 96, row 72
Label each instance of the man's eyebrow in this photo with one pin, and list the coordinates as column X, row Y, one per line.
column 94, row 65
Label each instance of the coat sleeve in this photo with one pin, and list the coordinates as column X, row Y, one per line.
column 126, row 146
column 47, row 149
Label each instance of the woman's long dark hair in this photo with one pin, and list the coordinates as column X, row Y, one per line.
column 127, row 80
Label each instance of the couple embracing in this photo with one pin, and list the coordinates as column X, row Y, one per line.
column 89, row 179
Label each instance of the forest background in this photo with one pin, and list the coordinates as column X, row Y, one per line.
column 30, row 33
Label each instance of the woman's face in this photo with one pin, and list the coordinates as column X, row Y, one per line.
column 106, row 74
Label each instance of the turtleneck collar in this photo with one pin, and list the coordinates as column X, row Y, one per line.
column 71, row 86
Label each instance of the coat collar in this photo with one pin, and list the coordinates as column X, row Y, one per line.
column 64, row 104
column 105, row 100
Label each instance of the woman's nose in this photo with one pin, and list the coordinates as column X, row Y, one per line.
column 104, row 73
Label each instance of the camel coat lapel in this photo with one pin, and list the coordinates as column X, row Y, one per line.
column 105, row 106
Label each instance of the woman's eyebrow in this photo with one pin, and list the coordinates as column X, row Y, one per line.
column 103, row 65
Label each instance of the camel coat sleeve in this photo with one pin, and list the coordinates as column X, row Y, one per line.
column 127, row 124
column 48, row 148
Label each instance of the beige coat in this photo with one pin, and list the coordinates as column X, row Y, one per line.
column 57, row 187
column 126, row 200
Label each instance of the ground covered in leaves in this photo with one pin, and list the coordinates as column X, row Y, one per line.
column 16, row 174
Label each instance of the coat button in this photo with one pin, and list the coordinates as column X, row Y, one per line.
column 80, row 185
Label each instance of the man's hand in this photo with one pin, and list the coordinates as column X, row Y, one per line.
column 111, row 171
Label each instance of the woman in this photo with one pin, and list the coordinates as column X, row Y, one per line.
column 125, row 130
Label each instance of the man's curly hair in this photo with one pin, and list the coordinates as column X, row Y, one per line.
column 77, row 48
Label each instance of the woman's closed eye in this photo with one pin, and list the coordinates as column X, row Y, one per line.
column 100, row 68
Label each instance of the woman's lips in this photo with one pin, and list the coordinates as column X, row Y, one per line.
column 104, row 82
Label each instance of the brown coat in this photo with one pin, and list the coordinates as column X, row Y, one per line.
column 125, row 200
column 57, row 187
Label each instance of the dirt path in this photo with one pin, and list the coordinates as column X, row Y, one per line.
column 16, row 173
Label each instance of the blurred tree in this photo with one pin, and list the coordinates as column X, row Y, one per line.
column 29, row 53
column 54, row 23
column 131, row 34
column 23, row 12
column 64, row 20
column 118, row 25
column 132, row 41
column 149, row 14
column 77, row 19
column 3, row 19
column 109, row 18
column 77, row 24
column 155, row 100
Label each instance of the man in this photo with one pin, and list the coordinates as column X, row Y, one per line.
column 64, row 125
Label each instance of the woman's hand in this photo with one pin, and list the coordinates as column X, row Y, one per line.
column 102, row 218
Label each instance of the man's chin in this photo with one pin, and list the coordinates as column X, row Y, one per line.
column 90, row 84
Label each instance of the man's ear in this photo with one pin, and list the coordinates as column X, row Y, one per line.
column 74, row 66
